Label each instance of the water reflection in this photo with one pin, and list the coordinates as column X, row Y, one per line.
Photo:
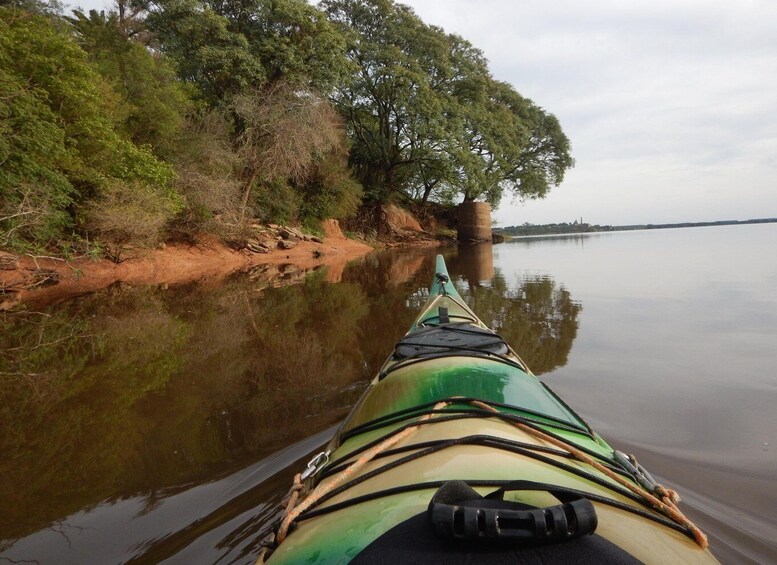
column 134, row 391
column 157, row 407
column 475, row 263
column 535, row 315
column 578, row 239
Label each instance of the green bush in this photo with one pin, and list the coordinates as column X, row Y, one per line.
column 59, row 149
column 278, row 202
column 330, row 191
column 152, row 102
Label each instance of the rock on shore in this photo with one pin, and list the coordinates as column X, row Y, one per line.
column 42, row 280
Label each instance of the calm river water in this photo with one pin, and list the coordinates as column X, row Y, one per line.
column 146, row 424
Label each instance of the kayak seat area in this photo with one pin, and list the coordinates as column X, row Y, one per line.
column 452, row 338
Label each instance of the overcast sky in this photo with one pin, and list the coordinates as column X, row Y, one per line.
column 670, row 105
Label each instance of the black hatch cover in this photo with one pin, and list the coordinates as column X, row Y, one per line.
column 450, row 338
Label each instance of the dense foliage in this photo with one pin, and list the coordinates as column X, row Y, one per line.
column 182, row 116
column 427, row 119
column 59, row 146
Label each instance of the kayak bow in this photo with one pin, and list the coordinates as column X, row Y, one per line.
column 457, row 452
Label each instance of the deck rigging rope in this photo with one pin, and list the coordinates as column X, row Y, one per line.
column 663, row 500
column 291, row 514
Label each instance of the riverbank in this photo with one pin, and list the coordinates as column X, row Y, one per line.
column 37, row 281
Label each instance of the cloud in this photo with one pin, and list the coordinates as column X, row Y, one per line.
column 670, row 105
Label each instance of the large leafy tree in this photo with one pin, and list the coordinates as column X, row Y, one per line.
column 427, row 119
column 516, row 147
column 391, row 104
column 293, row 40
column 208, row 53
column 152, row 103
column 227, row 47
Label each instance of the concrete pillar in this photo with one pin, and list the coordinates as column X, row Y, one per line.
column 474, row 221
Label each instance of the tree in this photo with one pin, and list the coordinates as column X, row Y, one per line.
column 517, row 148
column 293, row 40
column 59, row 147
column 262, row 63
column 208, row 54
column 34, row 187
column 152, row 104
column 426, row 118
column 208, row 176
column 390, row 103
column 285, row 131
column 228, row 47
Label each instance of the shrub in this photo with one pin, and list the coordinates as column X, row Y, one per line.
column 131, row 212
column 207, row 180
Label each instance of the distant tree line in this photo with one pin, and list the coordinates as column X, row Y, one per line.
column 575, row 227
column 162, row 117
column 550, row 229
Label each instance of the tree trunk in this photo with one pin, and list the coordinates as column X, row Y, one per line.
column 427, row 192
column 246, row 194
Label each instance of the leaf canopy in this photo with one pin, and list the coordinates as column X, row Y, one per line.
column 428, row 120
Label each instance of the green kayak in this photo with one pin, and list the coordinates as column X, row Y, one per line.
column 457, row 453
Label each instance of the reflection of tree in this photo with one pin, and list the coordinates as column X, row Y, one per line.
column 538, row 318
column 136, row 391
column 305, row 351
column 391, row 305
column 577, row 239
column 141, row 391
column 144, row 392
column 69, row 418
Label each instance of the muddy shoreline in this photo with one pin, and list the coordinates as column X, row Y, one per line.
column 38, row 281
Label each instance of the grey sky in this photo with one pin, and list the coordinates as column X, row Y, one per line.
column 670, row 105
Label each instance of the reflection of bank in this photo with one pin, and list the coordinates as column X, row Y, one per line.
column 476, row 263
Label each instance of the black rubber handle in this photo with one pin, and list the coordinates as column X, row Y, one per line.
column 475, row 518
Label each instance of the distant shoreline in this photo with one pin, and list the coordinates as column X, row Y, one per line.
column 575, row 227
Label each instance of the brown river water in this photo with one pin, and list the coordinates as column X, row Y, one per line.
column 145, row 425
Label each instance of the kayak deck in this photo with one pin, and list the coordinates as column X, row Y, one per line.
column 454, row 402
column 415, row 387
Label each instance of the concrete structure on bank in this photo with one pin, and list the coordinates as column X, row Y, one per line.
column 474, row 221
